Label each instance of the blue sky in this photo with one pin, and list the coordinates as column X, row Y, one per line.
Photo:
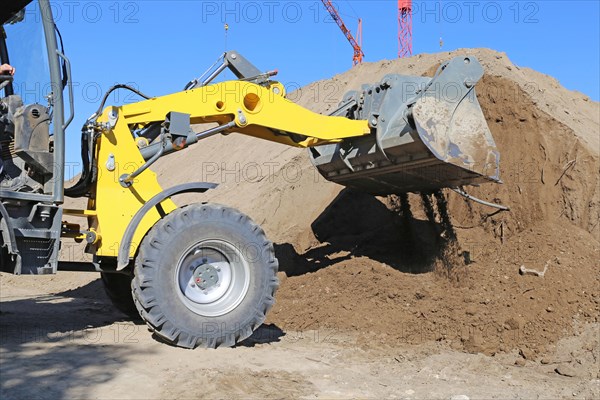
column 160, row 45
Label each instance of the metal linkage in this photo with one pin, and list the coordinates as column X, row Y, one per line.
column 150, row 151
column 238, row 64
column 169, row 144
column 126, row 180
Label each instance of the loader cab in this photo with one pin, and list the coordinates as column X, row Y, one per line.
column 32, row 121
column 32, row 126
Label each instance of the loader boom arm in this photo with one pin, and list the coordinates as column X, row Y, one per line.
column 257, row 111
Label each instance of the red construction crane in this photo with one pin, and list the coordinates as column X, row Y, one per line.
column 356, row 44
column 404, row 28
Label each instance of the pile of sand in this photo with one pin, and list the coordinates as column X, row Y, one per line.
column 417, row 268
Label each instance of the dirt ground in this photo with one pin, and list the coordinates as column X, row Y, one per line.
column 414, row 296
column 62, row 339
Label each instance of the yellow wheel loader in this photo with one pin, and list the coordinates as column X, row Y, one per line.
column 205, row 274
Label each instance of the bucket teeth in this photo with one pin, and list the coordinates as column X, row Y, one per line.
column 427, row 134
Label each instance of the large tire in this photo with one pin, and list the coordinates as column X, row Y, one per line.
column 118, row 289
column 205, row 275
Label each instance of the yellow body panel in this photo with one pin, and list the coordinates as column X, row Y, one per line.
column 114, row 204
column 258, row 111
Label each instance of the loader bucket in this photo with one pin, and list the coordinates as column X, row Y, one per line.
column 427, row 134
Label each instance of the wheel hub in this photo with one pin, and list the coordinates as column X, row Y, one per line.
column 213, row 277
column 206, row 276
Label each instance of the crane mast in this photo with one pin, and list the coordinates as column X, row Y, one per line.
column 404, row 28
column 356, row 44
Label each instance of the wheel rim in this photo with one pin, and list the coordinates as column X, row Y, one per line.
column 213, row 278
